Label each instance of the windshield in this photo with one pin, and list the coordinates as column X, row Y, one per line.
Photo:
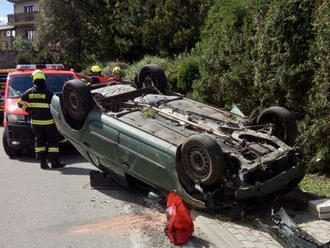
column 20, row 83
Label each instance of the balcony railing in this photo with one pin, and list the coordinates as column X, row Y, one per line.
column 22, row 18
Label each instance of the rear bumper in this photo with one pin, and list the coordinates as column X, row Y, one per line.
column 287, row 178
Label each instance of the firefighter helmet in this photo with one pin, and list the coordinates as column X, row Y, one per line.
column 116, row 70
column 38, row 74
column 96, row 69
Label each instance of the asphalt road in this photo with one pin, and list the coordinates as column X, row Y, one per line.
column 58, row 208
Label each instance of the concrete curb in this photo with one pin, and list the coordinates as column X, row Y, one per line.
column 297, row 200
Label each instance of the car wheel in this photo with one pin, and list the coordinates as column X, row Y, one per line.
column 11, row 152
column 152, row 74
column 202, row 159
column 283, row 121
column 77, row 100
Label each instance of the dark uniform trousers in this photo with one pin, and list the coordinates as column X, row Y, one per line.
column 46, row 141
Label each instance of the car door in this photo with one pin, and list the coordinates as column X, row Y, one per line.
column 101, row 141
column 147, row 158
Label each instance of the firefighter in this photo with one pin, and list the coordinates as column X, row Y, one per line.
column 36, row 101
column 96, row 76
column 117, row 75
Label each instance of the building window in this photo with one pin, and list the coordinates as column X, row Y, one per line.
column 29, row 9
column 29, row 34
column 10, row 33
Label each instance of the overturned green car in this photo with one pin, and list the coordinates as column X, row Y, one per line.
column 139, row 132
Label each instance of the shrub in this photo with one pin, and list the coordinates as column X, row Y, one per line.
column 188, row 71
column 315, row 138
column 283, row 72
column 226, row 67
column 22, row 45
column 24, row 58
column 38, row 57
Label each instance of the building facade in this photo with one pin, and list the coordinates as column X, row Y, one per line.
column 21, row 24
column 24, row 18
column 7, row 35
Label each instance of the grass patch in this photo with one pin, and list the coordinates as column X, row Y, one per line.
column 316, row 184
column 149, row 113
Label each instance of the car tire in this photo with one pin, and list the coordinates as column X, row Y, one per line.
column 202, row 159
column 11, row 152
column 284, row 122
column 77, row 100
column 156, row 74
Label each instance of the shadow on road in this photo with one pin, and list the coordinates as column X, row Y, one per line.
column 69, row 156
column 73, row 171
column 72, row 158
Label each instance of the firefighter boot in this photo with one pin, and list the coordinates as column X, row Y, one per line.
column 57, row 164
column 43, row 164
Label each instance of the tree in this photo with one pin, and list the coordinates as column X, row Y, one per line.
column 87, row 30
column 75, row 27
column 175, row 26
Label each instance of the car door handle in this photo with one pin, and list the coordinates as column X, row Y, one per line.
column 125, row 164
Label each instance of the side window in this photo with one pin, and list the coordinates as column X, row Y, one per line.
column 29, row 9
column 29, row 34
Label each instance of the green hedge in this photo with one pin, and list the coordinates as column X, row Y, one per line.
column 259, row 53
column 188, row 72
column 224, row 56
column 316, row 136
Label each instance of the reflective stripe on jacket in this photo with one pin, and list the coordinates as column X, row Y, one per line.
column 42, row 122
column 38, row 101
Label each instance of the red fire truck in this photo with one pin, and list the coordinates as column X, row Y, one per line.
column 18, row 133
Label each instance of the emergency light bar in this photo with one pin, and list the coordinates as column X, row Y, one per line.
column 40, row 66
column 55, row 66
column 26, row 67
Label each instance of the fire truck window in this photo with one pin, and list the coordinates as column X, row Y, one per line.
column 55, row 82
column 19, row 84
